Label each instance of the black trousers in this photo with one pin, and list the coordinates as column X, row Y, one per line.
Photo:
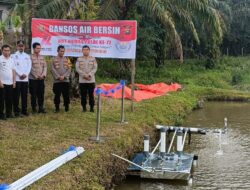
column 61, row 88
column 87, row 89
column 21, row 90
column 6, row 100
column 37, row 88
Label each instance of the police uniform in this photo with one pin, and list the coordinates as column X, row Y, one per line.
column 61, row 67
column 23, row 66
column 86, row 67
column 36, row 85
column 7, row 66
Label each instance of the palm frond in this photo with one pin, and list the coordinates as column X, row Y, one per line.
column 203, row 10
column 53, row 8
column 109, row 9
column 184, row 18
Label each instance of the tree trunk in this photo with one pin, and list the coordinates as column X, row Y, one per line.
column 33, row 5
column 179, row 49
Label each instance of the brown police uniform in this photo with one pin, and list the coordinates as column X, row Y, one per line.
column 36, row 85
column 61, row 67
column 86, row 68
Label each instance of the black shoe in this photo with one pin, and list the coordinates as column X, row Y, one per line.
column 57, row 110
column 92, row 110
column 66, row 108
column 84, row 109
column 17, row 114
column 9, row 116
column 3, row 117
column 34, row 111
column 42, row 110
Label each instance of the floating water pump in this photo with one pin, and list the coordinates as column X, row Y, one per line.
column 175, row 165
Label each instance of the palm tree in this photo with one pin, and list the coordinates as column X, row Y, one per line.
column 170, row 13
column 20, row 17
column 237, row 39
column 17, row 25
column 74, row 9
column 2, row 26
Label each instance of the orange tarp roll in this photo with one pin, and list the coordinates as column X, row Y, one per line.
column 143, row 91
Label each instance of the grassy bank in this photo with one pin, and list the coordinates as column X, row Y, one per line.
column 26, row 143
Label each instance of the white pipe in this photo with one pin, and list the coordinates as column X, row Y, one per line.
column 170, row 146
column 146, row 143
column 45, row 169
column 158, row 126
column 124, row 159
column 179, row 142
column 191, row 129
column 194, row 129
column 163, row 140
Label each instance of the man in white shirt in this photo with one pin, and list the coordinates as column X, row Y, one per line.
column 7, row 83
column 23, row 67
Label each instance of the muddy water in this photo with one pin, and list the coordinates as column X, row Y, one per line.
column 229, row 170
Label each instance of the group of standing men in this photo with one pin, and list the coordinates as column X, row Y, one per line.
column 20, row 73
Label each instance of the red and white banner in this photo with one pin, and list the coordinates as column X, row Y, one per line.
column 106, row 39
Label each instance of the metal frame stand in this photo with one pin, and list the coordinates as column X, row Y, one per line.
column 98, row 138
column 122, row 107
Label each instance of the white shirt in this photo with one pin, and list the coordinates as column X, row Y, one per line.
column 22, row 65
column 7, row 66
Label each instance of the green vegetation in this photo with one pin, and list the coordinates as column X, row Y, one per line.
column 27, row 143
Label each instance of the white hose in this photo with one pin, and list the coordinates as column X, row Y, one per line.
column 45, row 169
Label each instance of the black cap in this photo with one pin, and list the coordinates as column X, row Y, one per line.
column 20, row 42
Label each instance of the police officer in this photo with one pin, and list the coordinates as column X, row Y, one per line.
column 86, row 66
column 36, row 79
column 61, row 70
column 7, row 83
column 23, row 66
